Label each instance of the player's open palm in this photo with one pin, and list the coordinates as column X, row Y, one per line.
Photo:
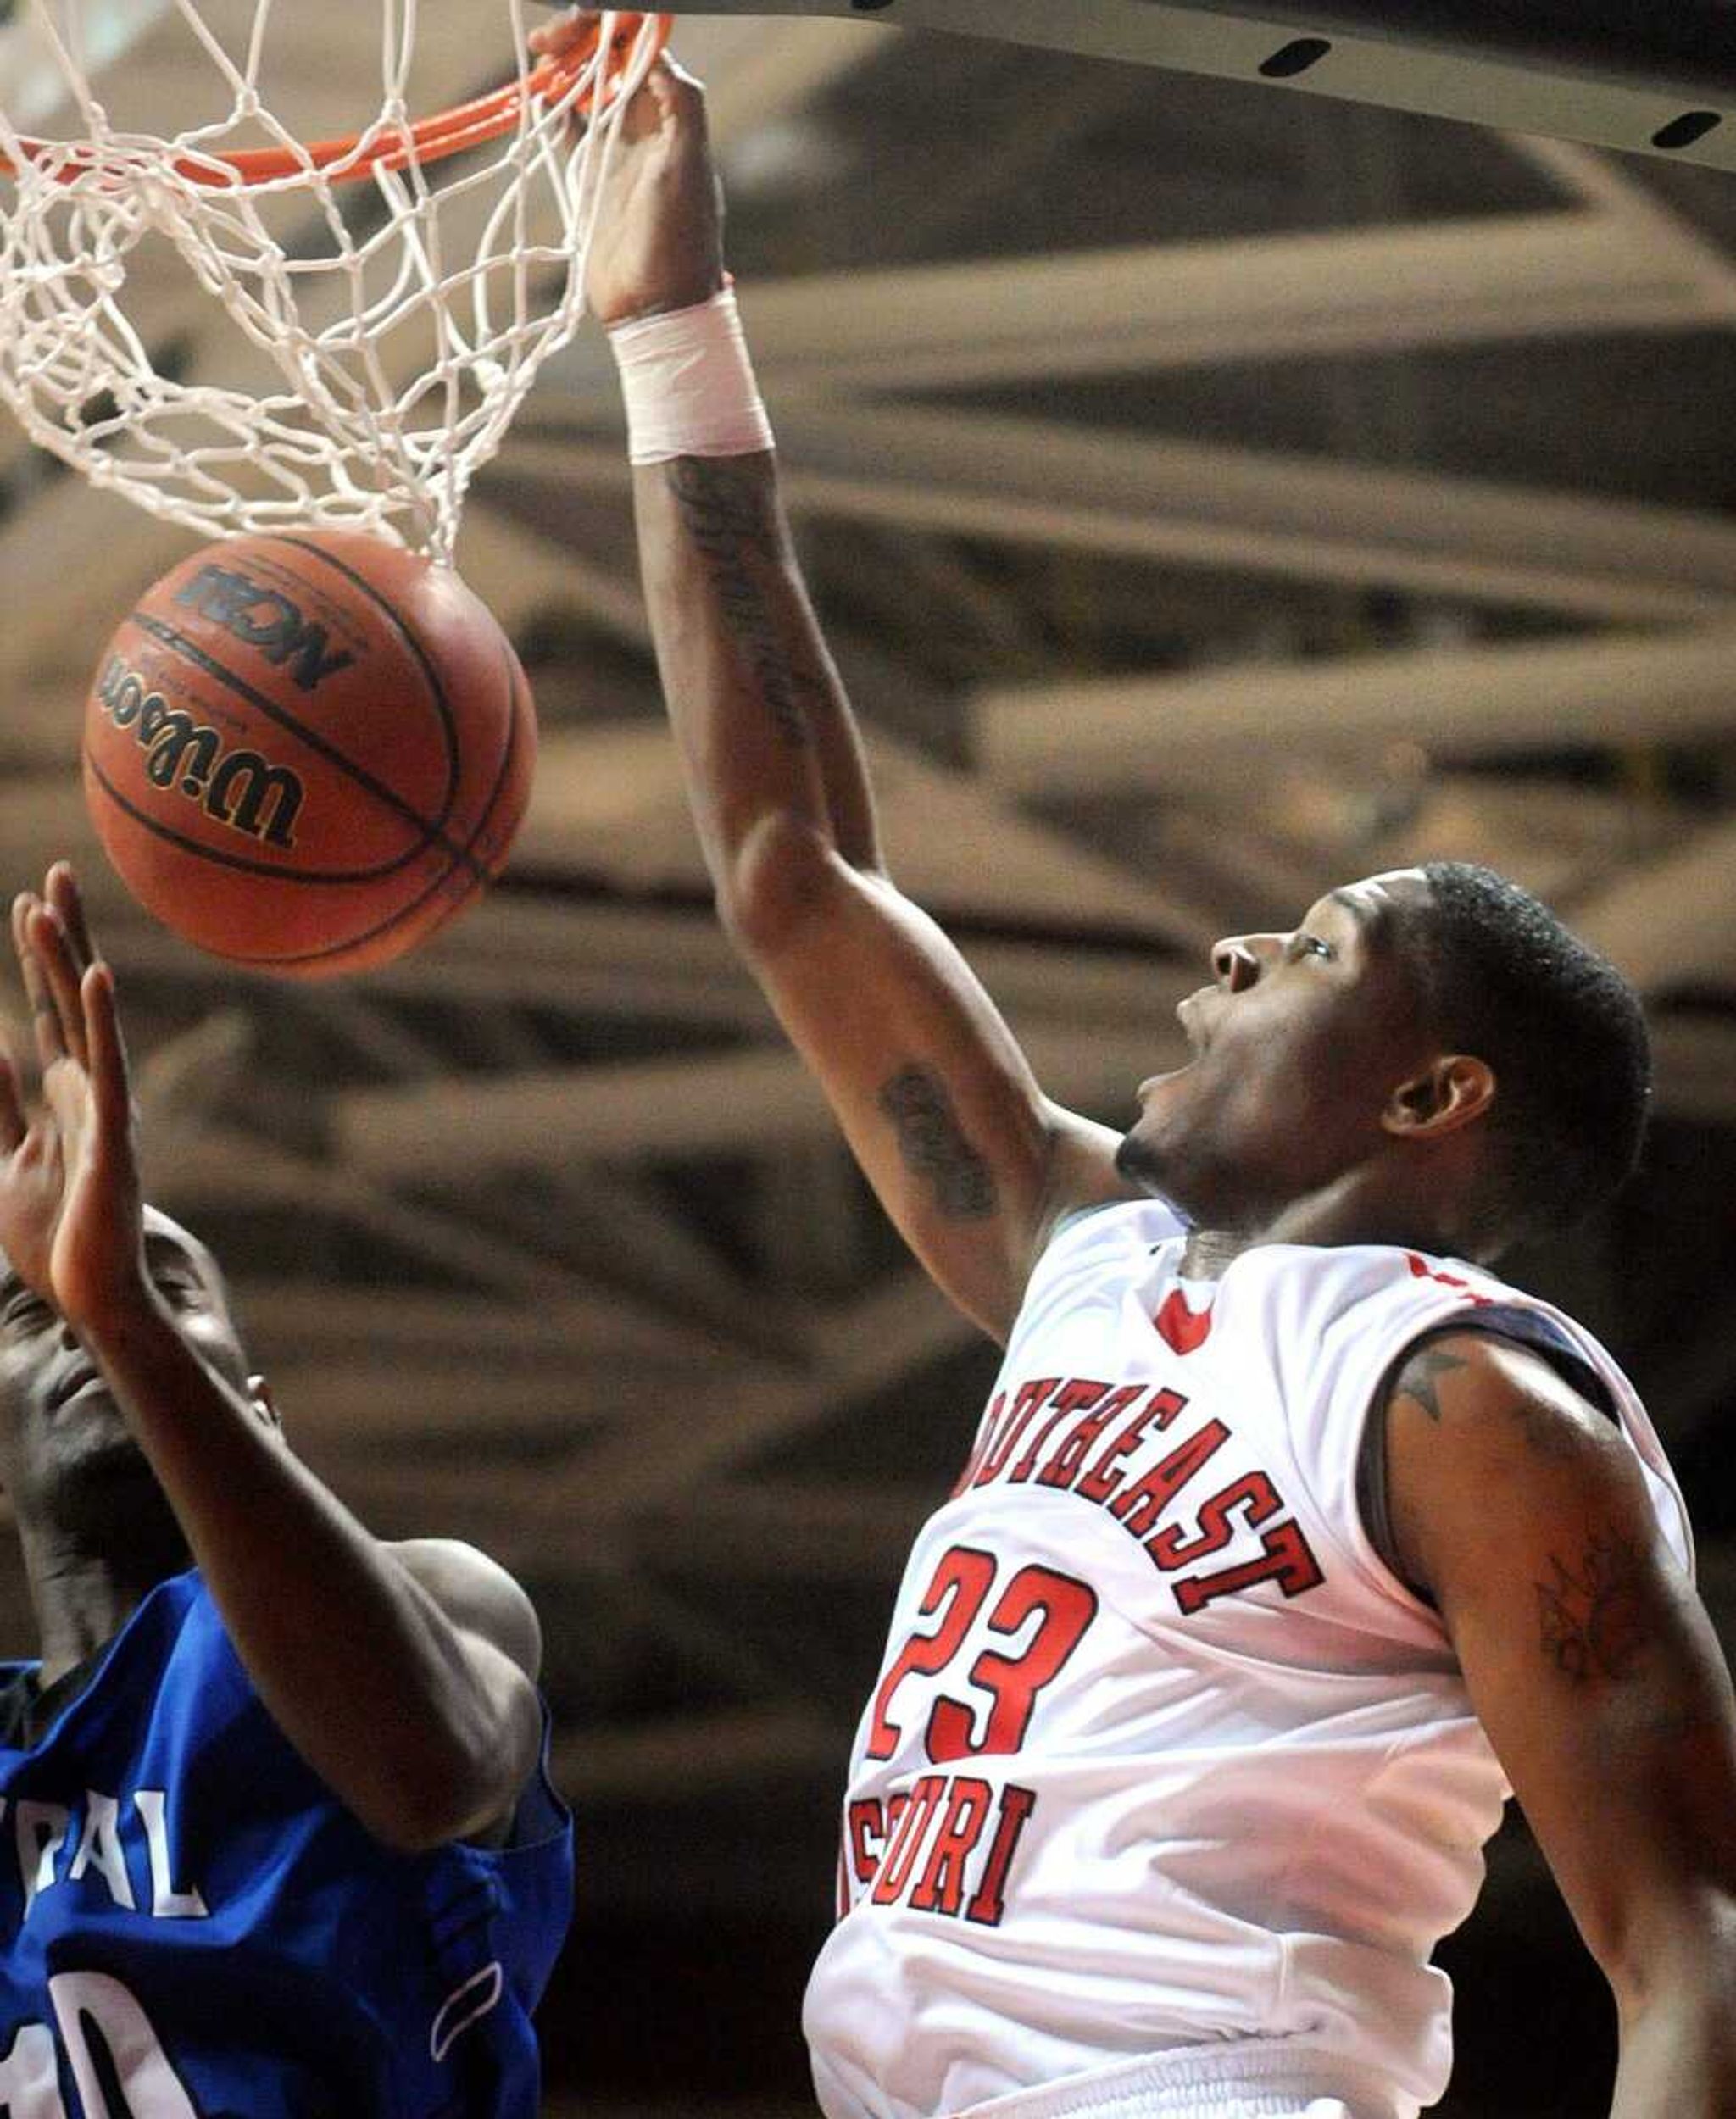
column 658, row 244
column 70, row 1213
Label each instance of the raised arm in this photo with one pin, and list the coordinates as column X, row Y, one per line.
column 971, row 1160
column 404, row 1675
column 1594, row 1670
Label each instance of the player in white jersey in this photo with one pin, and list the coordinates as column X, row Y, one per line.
column 1290, row 1539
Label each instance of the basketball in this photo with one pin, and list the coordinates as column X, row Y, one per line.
column 306, row 751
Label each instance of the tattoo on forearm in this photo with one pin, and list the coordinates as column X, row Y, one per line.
column 732, row 524
column 933, row 1145
column 1592, row 1618
column 1421, row 1377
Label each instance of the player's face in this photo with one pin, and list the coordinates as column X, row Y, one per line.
column 67, row 1457
column 1298, row 1043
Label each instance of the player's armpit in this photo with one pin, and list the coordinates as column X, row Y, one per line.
column 970, row 1159
column 1594, row 1671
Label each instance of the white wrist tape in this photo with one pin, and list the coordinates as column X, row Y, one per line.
column 688, row 384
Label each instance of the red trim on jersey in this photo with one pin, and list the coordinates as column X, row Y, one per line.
column 1181, row 1330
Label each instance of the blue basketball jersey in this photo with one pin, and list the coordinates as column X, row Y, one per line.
column 195, row 1927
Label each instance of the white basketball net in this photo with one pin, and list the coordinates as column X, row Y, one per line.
column 369, row 341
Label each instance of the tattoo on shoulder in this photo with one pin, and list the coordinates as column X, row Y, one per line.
column 933, row 1144
column 1592, row 1616
column 1548, row 1430
column 1420, row 1379
column 732, row 522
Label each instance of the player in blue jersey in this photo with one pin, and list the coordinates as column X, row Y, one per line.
column 276, row 1841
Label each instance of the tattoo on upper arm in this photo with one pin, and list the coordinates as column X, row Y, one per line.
column 1592, row 1618
column 1546, row 1431
column 1419, row 1380
column 933, row 1144
column 732, row 524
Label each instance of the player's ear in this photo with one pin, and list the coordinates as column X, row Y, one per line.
column 1450, row 1093
column 259, row 1394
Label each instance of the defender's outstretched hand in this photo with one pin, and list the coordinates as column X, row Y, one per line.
column 658, row 244
column 400, row 1673
column 70, row 1213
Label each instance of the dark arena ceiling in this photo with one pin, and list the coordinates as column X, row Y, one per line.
column 1213, row 490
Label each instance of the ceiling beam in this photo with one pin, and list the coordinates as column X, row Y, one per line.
column 342, row 1405
column 612, row 798
column 860, row 1347
column 1152, row 733
column 672, row 1447
column 756, row 1099
column 1007, row 480
column 584, row 952
column 1673, row 922
column 649, row 1108
column 759, row 73
column 763, row 1100
column 751, row 1529
column 1604, row 186
column 53, row 638
column 518, row 572
column 614, row 1223
column 288, row 1320
column 608, row 804
column 664, row 1462
column 1568, row 75
column 211, row 1166
column 1129, row 310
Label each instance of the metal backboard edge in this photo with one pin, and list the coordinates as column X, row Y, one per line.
column 1672, row 115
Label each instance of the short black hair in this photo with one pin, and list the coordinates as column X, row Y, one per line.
column 1503, row 981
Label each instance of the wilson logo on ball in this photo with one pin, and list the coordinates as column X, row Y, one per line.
column 369, row 756
column 265, row 619
column 234, row 788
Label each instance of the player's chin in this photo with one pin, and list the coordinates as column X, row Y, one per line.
column 1140, row 1162
column 100, row 1457
column 1164, row 1103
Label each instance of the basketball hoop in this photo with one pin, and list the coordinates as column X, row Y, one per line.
column 375, row 330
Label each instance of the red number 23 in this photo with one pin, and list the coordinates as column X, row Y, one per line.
column 956, row 1593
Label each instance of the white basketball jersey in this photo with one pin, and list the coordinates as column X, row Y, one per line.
column 1162, row 1753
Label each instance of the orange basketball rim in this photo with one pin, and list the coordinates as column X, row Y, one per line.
column 355, row 155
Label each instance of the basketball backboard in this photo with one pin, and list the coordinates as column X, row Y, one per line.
column 1618, row 73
